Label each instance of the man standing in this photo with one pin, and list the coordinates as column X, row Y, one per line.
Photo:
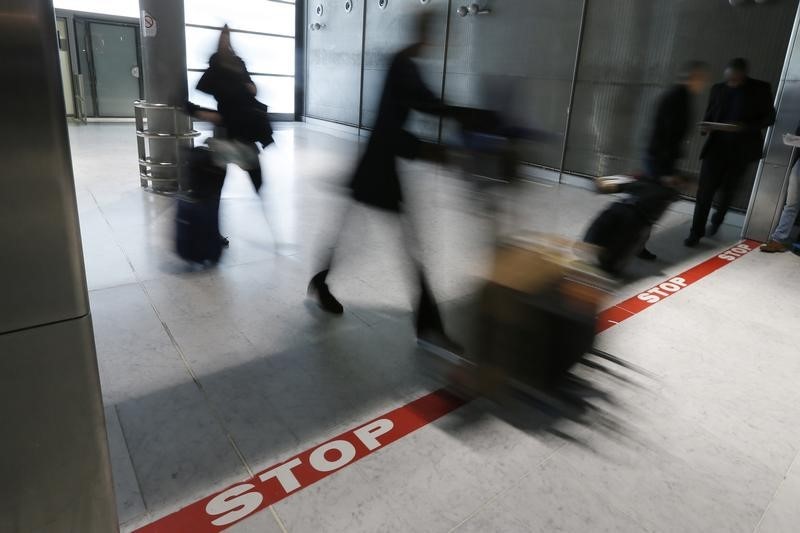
column 740, row 108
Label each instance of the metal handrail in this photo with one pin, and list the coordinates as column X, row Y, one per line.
column 155, row 135
column 143, row 104
column 150, row 163
column 157, row 175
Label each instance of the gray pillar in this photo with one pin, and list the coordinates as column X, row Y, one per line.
column 164, row 70
column 769, row 189
column 54, row 459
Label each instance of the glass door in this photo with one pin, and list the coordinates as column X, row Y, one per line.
column 115, row 58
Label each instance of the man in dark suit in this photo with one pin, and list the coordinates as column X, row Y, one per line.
column 376, row 182
column 746, row 104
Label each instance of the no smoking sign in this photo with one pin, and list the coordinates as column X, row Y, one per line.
column 149, row 25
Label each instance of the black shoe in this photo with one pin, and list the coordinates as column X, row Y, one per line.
column 713, row 229
column 438, row 342
column 691, row 241
column 646, row 255
column 318, row 290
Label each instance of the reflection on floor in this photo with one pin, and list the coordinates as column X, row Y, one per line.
column 211, row 375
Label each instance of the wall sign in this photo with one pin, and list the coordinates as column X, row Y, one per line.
column 149, row 25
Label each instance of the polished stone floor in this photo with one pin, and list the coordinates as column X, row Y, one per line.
column 210, row 375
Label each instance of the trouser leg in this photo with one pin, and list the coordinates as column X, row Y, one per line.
column 729, row 184
column 706, row 188
column 790, row 208
column 428, row 317
column 255, row 171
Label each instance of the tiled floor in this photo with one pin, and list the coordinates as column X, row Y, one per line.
column 210, row 375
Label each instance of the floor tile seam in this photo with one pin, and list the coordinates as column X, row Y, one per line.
column 117, row 286
column 774, row 494
column 514, row 484
column 133, row 467
column 113, row 233
column 209, row 404
column 277, row 518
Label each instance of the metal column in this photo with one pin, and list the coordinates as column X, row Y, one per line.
column 168, row 131
column 54, row 459
column 769, row 189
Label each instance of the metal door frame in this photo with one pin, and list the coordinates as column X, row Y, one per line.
column 69, row 50
column 90, row 56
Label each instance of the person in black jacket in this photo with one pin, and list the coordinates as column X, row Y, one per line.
column 672, row 123
column 244, row 118
column 623, row 228
column 746, row 104
column 376, row 182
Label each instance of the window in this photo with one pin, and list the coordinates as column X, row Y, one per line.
column 262, row 33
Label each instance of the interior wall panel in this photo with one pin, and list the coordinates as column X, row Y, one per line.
column 519, row 59
column 333, row 60
column 522, row 56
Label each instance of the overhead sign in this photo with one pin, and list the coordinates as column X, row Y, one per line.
column 149, row 25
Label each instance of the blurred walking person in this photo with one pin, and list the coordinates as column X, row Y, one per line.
column 739, row 109
column 244, row 119
column 376, row 182
column 672, row 123
column 622, row 229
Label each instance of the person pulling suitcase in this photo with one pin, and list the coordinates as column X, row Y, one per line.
column 622, row 230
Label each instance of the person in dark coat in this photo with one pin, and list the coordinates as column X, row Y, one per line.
column 625, row 226
column 673, row 120
column 746, row 104
column 244, row 118
column 376, row 182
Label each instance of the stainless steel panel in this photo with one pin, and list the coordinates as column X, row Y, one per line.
column 609, row 125
column 334, row 61
column 769, row 190
column 41, row 263
column 767, row 202
column 519, row 58
column 787, row 121
column 54, row 459
column 534, row 40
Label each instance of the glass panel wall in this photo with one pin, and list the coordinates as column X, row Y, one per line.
column 262, row 34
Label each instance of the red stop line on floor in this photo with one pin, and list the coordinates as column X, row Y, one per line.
column 624, row 310
column 237, row 502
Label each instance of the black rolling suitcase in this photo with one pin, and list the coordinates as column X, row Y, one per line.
column 197, row 236
column 621, row 230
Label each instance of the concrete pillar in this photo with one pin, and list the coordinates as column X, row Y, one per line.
column 164, row 62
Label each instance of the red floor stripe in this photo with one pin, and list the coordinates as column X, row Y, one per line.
column 235, row 503
column 632, row 306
